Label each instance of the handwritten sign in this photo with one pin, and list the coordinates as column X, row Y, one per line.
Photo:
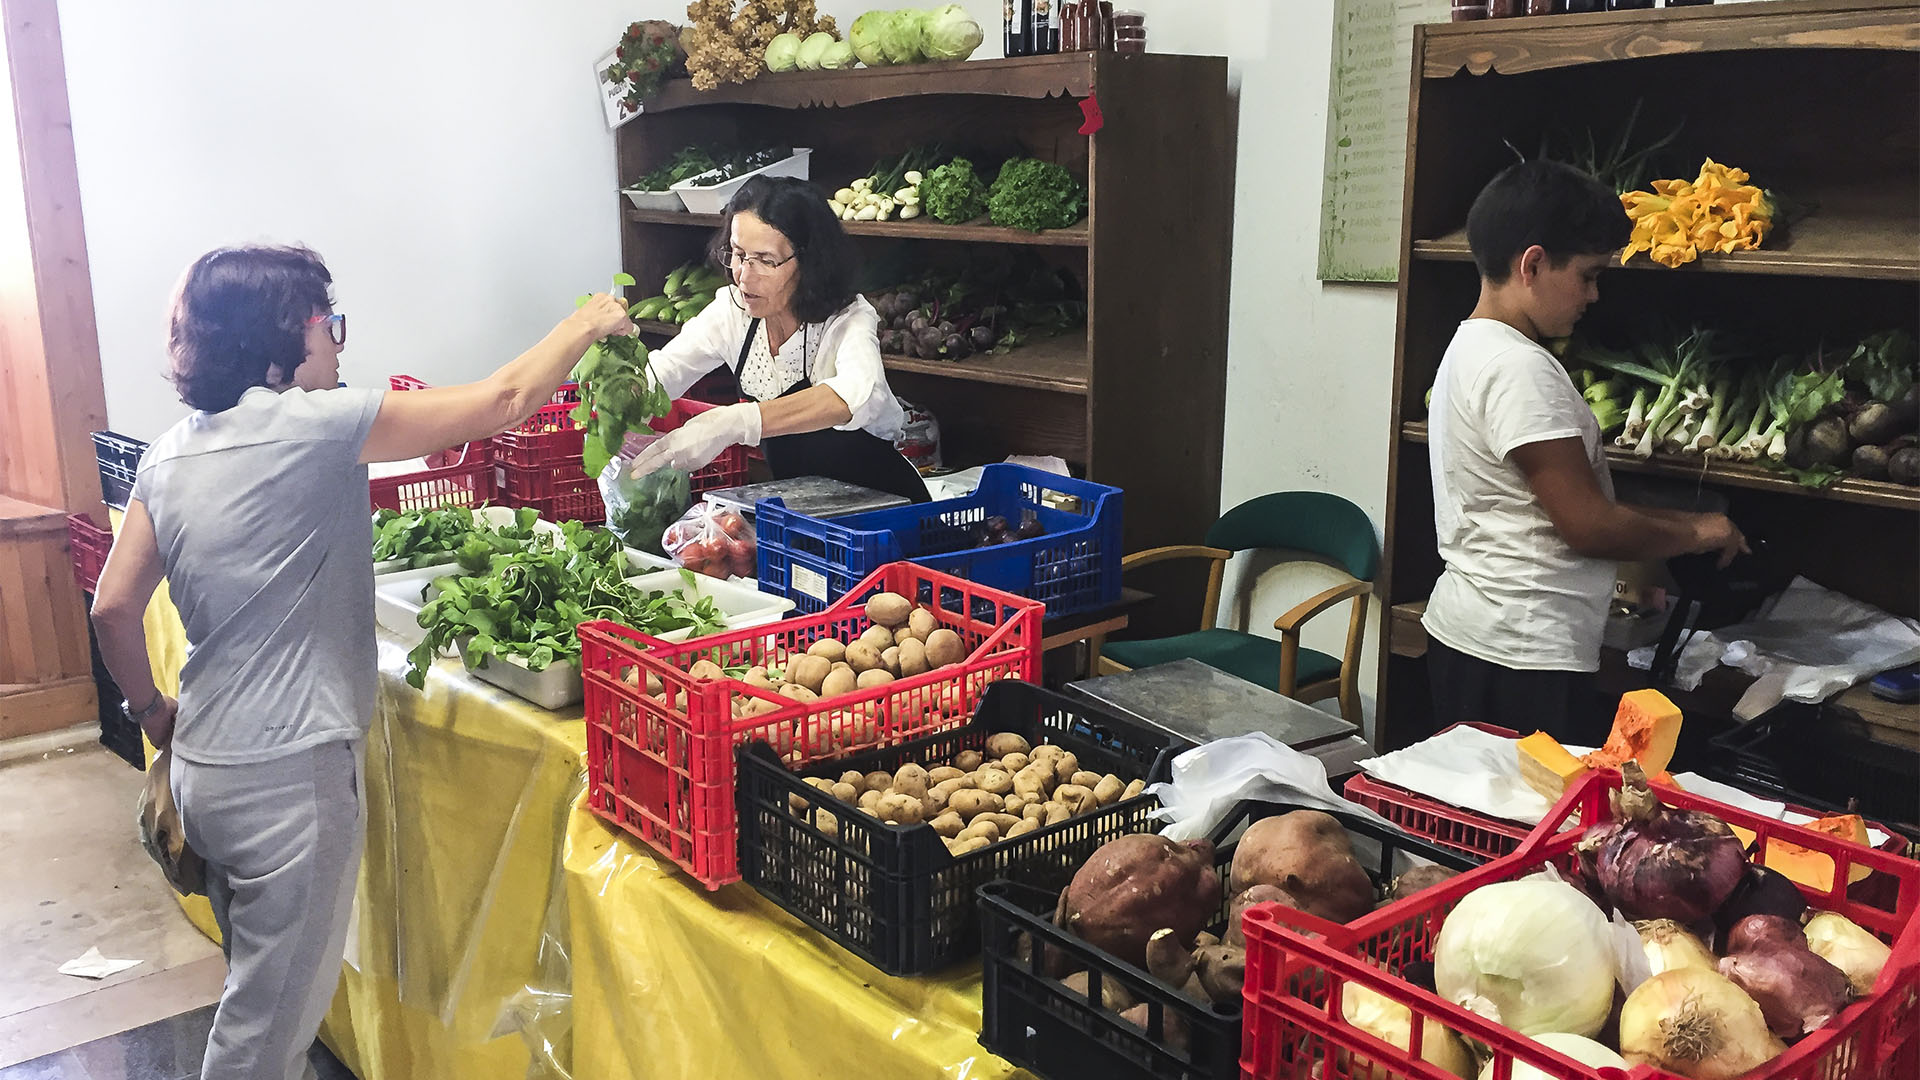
column 1366, row 160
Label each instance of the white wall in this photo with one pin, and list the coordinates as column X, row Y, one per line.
column 450, row 162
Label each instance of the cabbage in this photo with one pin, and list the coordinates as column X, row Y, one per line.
column 865, row 37
column 951, row 33
column 838, row 56
column 783, row 52
column 812, row 49
column 904, row 38
column 1534, row 955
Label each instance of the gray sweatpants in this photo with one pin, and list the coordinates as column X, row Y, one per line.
column 282, row 840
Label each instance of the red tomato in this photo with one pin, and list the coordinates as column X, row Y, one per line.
column 733, row 525
column 742, row 557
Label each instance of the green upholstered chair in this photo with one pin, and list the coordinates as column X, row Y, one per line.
column 1304, row 526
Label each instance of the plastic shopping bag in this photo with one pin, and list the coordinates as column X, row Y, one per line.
column 714, row 541
column 639, row 511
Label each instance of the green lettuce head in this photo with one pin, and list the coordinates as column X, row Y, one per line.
column 838, row 57
column 904, row 39
column 783, row 53
column 951, row 34
column 865, row 37
column 812, row 49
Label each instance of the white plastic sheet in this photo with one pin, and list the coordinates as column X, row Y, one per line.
column 1466, row 767
column 1209, row 780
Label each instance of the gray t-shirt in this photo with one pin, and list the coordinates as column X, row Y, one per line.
column 261, row 514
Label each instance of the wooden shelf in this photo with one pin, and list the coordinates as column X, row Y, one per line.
column 1868, row 492
column 972, row 232
column 1026, row 77
column 1846, row 240
column 1058, row 364
column 1512, row 46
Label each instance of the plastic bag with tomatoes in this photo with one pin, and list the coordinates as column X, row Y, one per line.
column 714, row 541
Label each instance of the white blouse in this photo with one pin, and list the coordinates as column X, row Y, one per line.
column 843, row 353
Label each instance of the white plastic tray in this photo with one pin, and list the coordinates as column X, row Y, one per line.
column 655, row 200
column 713, row 200
column 398, row 597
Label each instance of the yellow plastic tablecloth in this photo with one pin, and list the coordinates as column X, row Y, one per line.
column 502, row 931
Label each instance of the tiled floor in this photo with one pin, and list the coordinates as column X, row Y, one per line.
column 77, row 878
column 168, row 1050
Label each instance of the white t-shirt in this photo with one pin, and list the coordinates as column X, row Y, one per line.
column 1513, row 593
column 843, row 352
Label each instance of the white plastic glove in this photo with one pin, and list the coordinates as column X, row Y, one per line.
column 701, row 439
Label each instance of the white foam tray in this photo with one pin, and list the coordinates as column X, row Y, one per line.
column 713, row 200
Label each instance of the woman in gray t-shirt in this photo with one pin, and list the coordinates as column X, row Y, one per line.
column 254, row 509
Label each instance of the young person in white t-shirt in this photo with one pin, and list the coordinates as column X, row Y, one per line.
column 1523, row 504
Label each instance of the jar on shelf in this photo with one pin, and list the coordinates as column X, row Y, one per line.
column 1582, row 7
column 1506, row 9
column 1629, row 5
column 1545, row 7
column 1130, row 31
column 1469, row 10
column 1105, row 15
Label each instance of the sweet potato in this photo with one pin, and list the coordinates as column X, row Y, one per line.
column 1308, row 855
column 1112, row 994
column 1258, row 894
column 1137, row 884
column 889, row 610
column 1418, row 879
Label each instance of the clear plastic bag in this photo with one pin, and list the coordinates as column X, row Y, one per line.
column 639, row 511
column 715, row 541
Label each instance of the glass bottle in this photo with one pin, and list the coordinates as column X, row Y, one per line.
column 1469, row 10
column 1506, row 9
column 1629, row 5
column 1018, row 17
column 1582, row 7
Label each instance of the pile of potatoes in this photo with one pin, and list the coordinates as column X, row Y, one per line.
column 977, row 798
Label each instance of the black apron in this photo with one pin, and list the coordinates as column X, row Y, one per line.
column 853, row 457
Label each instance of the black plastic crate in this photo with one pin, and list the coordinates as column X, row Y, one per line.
column 119, row 462
column 1032, row 1019
column 1821, row 758
column 892, row 894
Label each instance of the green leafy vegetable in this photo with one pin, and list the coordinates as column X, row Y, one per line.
column 951, row 33
column 525, row 603
column 1885, row 363
column 1036, row 195
column 865, row 37
column 429, row 537
column 904, row 37
column 686, row 163
column 783, row 52
column 954, row 193
column 618, row 393
column 814, row 49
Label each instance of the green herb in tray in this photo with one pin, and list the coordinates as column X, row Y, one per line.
column 426, row 537
column 526, row 603
column 686, row 163
column 727, row 168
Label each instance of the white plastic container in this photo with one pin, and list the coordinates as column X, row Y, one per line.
column 656, row 200
column 491, row 516
column 555, row 688
column 713, row 200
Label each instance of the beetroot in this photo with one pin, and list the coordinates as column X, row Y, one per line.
column 1136, row 885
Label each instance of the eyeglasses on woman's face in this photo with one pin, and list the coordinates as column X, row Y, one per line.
column 740, row 262
column 336, row 326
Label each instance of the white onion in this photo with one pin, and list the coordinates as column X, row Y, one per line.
column 1841, row 942
column 1392, row 1023
column 1579, row 1048
column 1534, row 955
column 1698, row 1024
column 1669, row 945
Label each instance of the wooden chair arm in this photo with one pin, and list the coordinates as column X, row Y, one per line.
column 1178, row 551
column 1289, row 623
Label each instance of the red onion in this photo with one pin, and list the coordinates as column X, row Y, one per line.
column 1657, row 862
column 1761, row 892
column 1765, row 932
column 1797, row 991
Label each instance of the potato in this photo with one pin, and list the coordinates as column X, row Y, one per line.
column 1013, row 763
column 923, row 623
column 759, row 707
column 889, row 610
column 1108, row 790
column 797, row 692
column 948, row 824
column 890, row 659
column 970, row 844
column 870, row 799
column 913, row 659
column 988, row 778
column 1078, row 800
column 1002, row 743
column 902, row 635
column 1134, row 789
column 877, row 781
column 943, row 772
column 706, row 669
column 862, row 657
column 901, row 809
column 942, row 792
column 1035, row 782
column 1022, row 828
column 829, row 650
column 839, row 681
column 879, row 638
column 970, row 803
column 1085, row 779
column 911, row 780
column 827, row 823
column 809, row 671
column 1064, row 767
column 876, row 678
column 1034, row 811
column 757, row 676
column 1048, row 752
column 1014, row 803
column 945, row 647
column 968, row 760
column 1057, row 812
column 846, row 793
column 1004, row 821
column 980, row 827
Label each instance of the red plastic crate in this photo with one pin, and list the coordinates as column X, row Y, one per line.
column 89, row 544
column 573, row 500
column 535, row 483
column 661, row 765
column 727, row 470
column 1293, row 1019
column 467, row 484
column 569, row 393
column 549, row 437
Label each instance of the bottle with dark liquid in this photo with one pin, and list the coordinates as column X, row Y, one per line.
column 1019, row 19
column 1044, row 38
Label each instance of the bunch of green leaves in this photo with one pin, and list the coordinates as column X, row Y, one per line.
column 1036, row 195
column 685, row 164
column 618, row 393
column 954, row 193
column 639, row 511
column 731, row 164
column 1885, row 364
column 890, row 173
column 526, row 603
column 1625, row 162
column 426, row 537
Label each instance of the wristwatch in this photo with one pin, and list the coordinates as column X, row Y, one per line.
column 139, row 716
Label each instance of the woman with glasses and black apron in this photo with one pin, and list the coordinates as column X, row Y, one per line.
column 802, row 347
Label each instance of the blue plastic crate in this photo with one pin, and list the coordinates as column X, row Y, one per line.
column 1074, row 566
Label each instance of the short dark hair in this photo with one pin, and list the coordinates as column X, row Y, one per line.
column 799, row 210
column 239, row 312
column 1548, row 203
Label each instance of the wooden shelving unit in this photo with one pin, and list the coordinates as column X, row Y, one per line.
column 1829, row 116
column 1138, row 400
